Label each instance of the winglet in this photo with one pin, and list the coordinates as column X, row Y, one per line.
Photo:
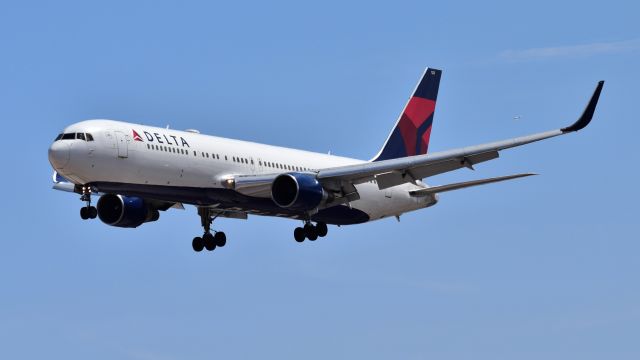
column 587, row 115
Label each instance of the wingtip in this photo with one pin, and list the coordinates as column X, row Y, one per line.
column 588, row 112
column 516, row 176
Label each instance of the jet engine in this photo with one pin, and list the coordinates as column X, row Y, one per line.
column 125, row 211
column 297, row 191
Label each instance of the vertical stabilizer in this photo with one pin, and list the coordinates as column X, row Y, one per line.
column 410, row 136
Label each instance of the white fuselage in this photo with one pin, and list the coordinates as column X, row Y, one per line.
column 138, row 155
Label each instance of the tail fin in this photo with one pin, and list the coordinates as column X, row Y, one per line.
column 410, row 135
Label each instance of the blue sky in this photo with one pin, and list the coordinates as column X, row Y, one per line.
column 542, row 267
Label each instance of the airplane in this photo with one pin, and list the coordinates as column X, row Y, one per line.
column 139, row 171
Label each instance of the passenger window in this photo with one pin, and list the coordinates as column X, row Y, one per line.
column 89, row 137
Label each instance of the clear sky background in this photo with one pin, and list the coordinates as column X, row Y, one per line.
column 538, row 268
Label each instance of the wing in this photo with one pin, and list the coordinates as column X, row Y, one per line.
column 61, row 183
column 393, row 172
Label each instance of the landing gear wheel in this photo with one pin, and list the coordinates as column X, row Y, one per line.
column 321, row 229
column 211, row 239
column 88, row 212
column 84, row 213
column 311, row 232
column 209, row 242
column 198, row 244
column 93, row 212
column 299, row 234
column 220, row 239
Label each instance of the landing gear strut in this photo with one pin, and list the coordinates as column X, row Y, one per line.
column 208, row 240
column 310, row 231
column 87, row 212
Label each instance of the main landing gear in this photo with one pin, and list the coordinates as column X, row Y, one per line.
column 310, row 231
column 208, row 240
column 87, row 212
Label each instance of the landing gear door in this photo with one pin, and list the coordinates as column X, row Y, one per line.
column 122, row 141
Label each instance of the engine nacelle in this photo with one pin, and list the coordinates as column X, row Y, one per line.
column 125, row 211
column 297, row 191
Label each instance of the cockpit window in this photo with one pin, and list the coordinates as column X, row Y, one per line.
column 71, row 136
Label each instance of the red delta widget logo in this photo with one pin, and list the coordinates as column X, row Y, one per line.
column 161, row 138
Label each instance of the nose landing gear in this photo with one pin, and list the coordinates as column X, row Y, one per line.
column 208, row 240
column 87, row 212
column 310, row 231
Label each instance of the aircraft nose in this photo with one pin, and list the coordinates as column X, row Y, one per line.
column 59, row 154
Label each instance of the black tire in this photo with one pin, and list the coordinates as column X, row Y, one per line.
column 220, row 239
column 299, row 234
column 84, row 213
column 197, row 244
column 93, row 212
column 311, row 232
column 321, row 229
column 209, row 242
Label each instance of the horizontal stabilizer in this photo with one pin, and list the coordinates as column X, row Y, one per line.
column 462, row 185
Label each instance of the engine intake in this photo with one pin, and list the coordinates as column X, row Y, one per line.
column 297, row 191
column 125, row 211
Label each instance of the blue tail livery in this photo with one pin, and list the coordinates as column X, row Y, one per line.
column 410, row 135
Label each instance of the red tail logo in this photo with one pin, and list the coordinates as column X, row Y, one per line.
column 136, row 136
